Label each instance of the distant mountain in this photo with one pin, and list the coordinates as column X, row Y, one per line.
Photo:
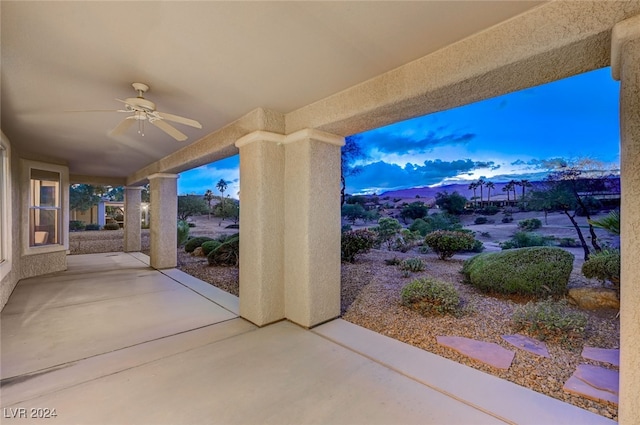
column 462, row 189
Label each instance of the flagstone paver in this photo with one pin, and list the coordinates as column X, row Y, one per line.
column 528, row 344
column 486, row 352
column 608, row 355
column 594, row 382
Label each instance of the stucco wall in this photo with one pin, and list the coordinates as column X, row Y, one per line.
column 24, row 266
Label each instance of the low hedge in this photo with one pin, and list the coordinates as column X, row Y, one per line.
column 428, row 296
column 227, row 253
column 537, row 271
column 194, row 243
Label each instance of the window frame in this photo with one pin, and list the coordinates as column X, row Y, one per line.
column 63, row 210
column 6, row 207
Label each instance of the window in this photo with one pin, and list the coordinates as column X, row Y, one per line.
column 44, row 208
column 5, row 209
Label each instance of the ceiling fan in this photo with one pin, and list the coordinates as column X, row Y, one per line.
column 144, row 110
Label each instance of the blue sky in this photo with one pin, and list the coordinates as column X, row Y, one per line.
column 512, row 136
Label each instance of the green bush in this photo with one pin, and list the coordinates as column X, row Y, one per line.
column 111, row 226
column 183, row 232
column 92, row 226
column 568, row 243
column 387, row 230
column 395, row 261
column 413, row 265
column 446, row 243
column 604, row 265
column 480, row 220
column 526, row 239
column 196, row 242
column 227, row 254
column 529, row 224
column 356, row 242
column 477, row 246
column 76, row 225
column 209, row 246
column 428, row 296
column 536, row 271
column 489, row 210
column 548, row 320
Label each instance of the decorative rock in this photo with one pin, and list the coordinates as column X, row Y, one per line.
column 528, row 344
column 198, row 252
column 595, row 383
column 485, row 352
column 608, row 355
column 594, row 298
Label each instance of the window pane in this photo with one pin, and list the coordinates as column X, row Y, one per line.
column 43, row 227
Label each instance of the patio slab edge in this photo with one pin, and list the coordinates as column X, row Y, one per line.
column 499, row 397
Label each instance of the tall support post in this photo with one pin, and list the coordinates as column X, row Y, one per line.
column 132, row 232
column 164, row 220
column 312, row 227
column 262, row 223
column 625, row 66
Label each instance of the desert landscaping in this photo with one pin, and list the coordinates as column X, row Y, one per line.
column 371, row 297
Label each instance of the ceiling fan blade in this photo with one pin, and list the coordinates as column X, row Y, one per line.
column 122, row 127
column 169, row 129
column 181, row 120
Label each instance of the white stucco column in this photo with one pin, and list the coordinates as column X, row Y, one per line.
column 312, row 227
column 164, row 220
column 262, row 227
column 625, row 66
column 132, row 232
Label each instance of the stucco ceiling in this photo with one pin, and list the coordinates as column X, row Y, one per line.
column 208, row 60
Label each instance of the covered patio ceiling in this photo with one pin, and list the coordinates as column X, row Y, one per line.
column 212, row 61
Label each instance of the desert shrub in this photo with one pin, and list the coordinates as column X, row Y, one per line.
column 477, row 246
column 356, row 242
column 413, row 265
column 428, row 296
column 536, row 271
column 549, row 320
column 526, row 239
column 194, row 243
column 405, row 240
column 604, row 265
column 76, row 225
column 529, row 224
column 489, row 210
column 227, row 254
column 568, row 243
column 111, row 226
column 453, row 203
column 191, row 224
column 420, row 226
column 392, row 261
column 209, row 246
column 480, row 220
column 387, row 230
column 446, row 243
column 183, row 232
column 92, row 226
column 485, row 234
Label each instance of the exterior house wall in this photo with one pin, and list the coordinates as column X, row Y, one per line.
column 27, row 264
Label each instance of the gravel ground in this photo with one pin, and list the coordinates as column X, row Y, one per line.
column 371, row 298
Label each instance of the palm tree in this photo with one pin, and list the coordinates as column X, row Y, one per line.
column 208, row 196
column 513, row 185
column 524, row 183
column 507, row 188
column 473, row 186
column 490, row 185
column 221, row 186
column 481, row 183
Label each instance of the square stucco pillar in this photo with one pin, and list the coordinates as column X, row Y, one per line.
column 164, row 220
column 312, row 227
column 262, row 227
column 132, row 231
column 625, row 66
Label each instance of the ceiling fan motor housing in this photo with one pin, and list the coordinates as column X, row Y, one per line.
column 140, row 104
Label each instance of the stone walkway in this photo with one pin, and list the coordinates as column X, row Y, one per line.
column 594, row 382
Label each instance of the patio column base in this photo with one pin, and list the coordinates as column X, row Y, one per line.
column 164, row 220
column 625, row 66
column 132, row 231
column 262, row 227
column 312, row 227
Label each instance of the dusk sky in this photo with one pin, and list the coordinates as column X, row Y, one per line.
column 514, row 136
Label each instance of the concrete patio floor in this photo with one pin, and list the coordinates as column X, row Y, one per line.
column 112, row 341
